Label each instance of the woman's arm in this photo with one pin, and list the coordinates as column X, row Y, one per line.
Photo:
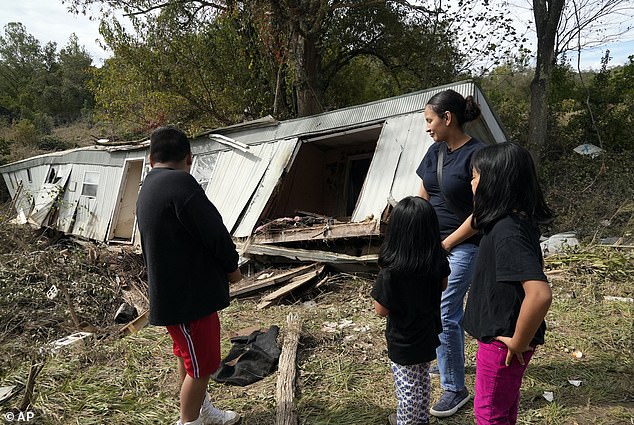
column 537, row 299
column 380, row 310
column 461, row 234
column 422, row 192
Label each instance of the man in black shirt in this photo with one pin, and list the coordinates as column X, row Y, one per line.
column 190, row 258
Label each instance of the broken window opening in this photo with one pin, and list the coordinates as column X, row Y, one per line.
column 203, row 167
column 52, row 176
column 90, row 184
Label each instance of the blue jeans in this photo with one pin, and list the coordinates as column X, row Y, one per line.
column 450, row 353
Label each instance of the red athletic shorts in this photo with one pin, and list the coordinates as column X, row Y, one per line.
column 198, row 344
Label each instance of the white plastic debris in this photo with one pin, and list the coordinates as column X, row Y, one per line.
column 67, row 341
column 575, row 382
column 549, row 396
column 558, row 242
column 622, row 299
column 588, row 149
column 52, row 292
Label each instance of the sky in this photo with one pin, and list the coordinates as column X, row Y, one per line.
column 48, row 20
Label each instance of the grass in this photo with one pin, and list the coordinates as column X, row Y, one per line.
column 343, row 373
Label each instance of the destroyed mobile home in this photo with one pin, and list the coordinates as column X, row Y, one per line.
column 291, row 189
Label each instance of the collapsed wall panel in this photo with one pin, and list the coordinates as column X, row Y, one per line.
column 280, row 160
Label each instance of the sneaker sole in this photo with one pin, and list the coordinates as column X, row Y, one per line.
column 446, row 413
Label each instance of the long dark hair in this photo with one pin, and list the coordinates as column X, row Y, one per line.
column 412, row 241
column 508, row 183
column 464, row 109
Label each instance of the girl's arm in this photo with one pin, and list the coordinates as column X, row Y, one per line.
column 380, row 310
column 461, row 234
column 422, row 192
column 537, row 299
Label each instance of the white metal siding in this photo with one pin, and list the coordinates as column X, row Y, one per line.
column 406, row 181
column 93, row 214
column 235, row 177
column 279, row 161
column 378, row 183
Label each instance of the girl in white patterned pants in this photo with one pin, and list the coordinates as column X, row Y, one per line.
column 412, row 392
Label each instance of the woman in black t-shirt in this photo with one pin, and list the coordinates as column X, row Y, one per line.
column 445, row 173
column 407, row 291
column 509, row 295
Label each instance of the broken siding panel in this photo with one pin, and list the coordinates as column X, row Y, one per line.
column 490, row 121
column 406, row 181
column 8, row 182
column 49, row 192
column 280, row 160
column 93, row 213
column 235, row 177
column 378, row 183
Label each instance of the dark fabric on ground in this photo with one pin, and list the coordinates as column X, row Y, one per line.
column 250, row 359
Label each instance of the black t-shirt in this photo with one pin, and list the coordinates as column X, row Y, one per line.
column 413, row 323
column 509, row 255
column 187, row 249
column 456, row 184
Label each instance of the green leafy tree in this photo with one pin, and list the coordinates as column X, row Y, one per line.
column 21, row 61
column 298, row 51
column 37, row 82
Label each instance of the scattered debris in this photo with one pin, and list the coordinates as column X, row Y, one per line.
column 557, row 243
column 52, row 293
column 125, row 313
column 588, row 149
column 575, row 382
column 332, row 327
column 549, row 396
column 77, row 337
column 137, row 324
column 293, row 284
column 309, row 304
column 250, row 285
column 36, row 368
column 7, row 393
column 621, row 299
column 298, row 254
column 577, row 354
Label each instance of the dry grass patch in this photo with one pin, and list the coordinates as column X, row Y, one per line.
column 344, row 377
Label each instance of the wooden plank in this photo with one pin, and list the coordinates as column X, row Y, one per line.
column 295, row 283
column 308, row 255
column 285, row 387
column 137, row 324
column 321, row 232
column 271, row 281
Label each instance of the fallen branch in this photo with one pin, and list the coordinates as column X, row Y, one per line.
column 285, row 390
column 36, row 368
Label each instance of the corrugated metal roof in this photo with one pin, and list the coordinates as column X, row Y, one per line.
column 362, row 115
column 241, row 183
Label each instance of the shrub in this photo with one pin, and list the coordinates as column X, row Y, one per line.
column 25, row 133
column 592, row 196
column 52, row 143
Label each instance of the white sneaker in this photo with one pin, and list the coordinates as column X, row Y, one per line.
column 198, row 421
column 211, row 415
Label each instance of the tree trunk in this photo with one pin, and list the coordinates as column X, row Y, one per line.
column 547, row 15
column 308, row 85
